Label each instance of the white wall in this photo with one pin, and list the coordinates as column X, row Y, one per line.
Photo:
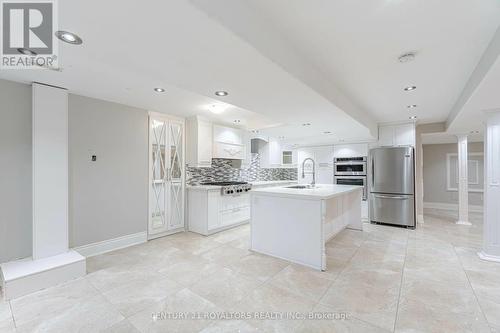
column 109, row 197
column 434, row 174
column 16, row 169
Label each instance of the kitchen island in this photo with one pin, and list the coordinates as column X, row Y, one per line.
column 295, row 223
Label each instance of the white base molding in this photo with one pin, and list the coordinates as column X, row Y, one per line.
column 488, row 257
column 25, row 276
column 109, row 245
column 420, row 219
column 448, row 206
column 463, row 223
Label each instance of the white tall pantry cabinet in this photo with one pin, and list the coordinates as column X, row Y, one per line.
column 166, row 175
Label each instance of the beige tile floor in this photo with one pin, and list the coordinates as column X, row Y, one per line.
column 383, row 279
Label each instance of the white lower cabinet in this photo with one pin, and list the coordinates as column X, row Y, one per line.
column 210, row 212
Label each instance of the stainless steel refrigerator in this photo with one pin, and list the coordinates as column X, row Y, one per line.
column 392, row 186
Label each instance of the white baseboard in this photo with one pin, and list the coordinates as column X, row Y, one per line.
column 109, row 245
column 488, row 257
column 420, row 218
column 448, row 206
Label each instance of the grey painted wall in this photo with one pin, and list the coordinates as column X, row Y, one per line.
column 108, row 197
column 434, row 173
column 16, row 168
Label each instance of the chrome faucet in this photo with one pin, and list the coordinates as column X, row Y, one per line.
column 313, row 183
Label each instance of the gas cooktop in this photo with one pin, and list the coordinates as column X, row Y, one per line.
column 231, row 188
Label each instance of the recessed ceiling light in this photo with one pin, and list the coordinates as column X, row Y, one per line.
column 27, row 52
column 411, row 106
column 237, row 121
column 413, row 117
column 306, row 124
column 410, row 88
column 217, row 108
column 409, row 56
column 68, row 37
column 221, row 93
column 159, row 89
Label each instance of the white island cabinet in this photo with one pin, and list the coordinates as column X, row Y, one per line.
column 294, row 224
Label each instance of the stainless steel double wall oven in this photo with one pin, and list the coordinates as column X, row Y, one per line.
column 350, row 171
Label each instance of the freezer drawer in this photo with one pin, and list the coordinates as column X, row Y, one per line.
column 392, row 209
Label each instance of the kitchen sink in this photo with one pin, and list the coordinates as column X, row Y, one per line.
column 300, row 187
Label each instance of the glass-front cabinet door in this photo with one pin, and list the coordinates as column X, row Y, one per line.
column 176, row 176
column 166, row 177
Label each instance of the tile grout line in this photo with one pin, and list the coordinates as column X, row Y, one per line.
column 343, row 269
column 472, row 288
column 401, row 283
column 12, row 314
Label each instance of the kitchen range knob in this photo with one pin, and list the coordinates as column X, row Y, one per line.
column 232, row 191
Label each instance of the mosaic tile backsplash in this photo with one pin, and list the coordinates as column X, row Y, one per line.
column 223, row 170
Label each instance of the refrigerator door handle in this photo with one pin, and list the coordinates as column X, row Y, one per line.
column 390, row 197
column 373, row 173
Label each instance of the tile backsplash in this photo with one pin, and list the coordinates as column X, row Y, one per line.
column 223, row 170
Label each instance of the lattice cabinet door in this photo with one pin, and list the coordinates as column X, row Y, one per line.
column 166, row 176
column 175, row 215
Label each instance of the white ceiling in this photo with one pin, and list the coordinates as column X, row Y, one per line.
column 144, row 44
column 329, row 63
column 486, row 97
column 355, row 44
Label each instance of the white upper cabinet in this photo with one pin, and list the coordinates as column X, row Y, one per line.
column 276, row 154
column 247, row 161
column 288, row 156
column 228, row 135
column 199, row 142
column 270, row 154
column 405, row 135
column 323, row 155
column 386, row 135
column 350, row 150
column 229, row 143
column 396, row 135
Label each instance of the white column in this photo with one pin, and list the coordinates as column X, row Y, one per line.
column 50, row 171
column 491, row 224
column 463, row 180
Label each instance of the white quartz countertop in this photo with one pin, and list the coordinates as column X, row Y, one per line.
column 271, row 182
column 320, row 192
column 254, row 183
